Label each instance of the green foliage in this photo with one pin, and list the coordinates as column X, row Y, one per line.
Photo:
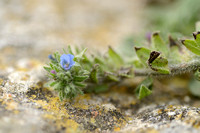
column 97, row 73
column 145, row 88
column 153, row 59
column 180, row 20
column 67, row 83
column 94, row 74
column 175, row 53
column 157, row 63
column 87, row 74
column 115, row 57
column 158, row 44
column 193, row 45
column 143, row 54
column 194, row 87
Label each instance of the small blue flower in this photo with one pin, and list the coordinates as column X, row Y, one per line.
column 66, row 61
column 51, row 58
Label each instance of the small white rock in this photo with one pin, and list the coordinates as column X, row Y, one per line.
column 171, row 113
column 109, row 106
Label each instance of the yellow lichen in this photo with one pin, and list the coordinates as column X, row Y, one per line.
column 92, row 120
column 196, row 124
column 179, row 117
column 79, row 102
column 71, row 126
column 1, row 81
column 56, row 112
column 152, row 131
column 10, row 104
column 160, row 111
column 116, row 129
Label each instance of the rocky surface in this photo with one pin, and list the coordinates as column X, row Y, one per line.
column 30, row 30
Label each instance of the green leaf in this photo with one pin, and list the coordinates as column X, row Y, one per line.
column 65, row 51
column 53, row 75
column 68, row 74
column 137, row 64
column 57, row 56
column 143, row 92
column 76, row 68
column 51, row 65
column 158, row 63
column 52, row 84
column 115, row 57
column 175, row 54
column 70, row 50
column 98, row 61
column 61, row 75
column 79, row 91
column 192, row 46
column 80, row 55
column 57, row 69
column 85, row 72
column 58, row 86
column 94, row 74
column 112, row 77
column 80, row 78
column 143, row 54
column 145, row 88
column 78, row 49
column 158, row 44
column 48, row 69
column 61, row 95
column 73, row 91
column 67, row 78
column 194, row 87
column 197, row 38
column 67, row 90
column 148, row 82
column 79, row 84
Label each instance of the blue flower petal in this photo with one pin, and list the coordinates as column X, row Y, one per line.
column 71, row 60
column 66, row 61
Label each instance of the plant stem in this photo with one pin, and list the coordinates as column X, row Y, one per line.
column 174, row 69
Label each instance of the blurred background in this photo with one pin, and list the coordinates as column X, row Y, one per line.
column 54, row 23
column 50, row 25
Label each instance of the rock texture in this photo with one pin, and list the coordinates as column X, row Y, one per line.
column 32, row 29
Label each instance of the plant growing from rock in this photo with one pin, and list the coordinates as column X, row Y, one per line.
column 73, row 73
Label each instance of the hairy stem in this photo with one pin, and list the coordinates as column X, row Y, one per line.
column 174, row 69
